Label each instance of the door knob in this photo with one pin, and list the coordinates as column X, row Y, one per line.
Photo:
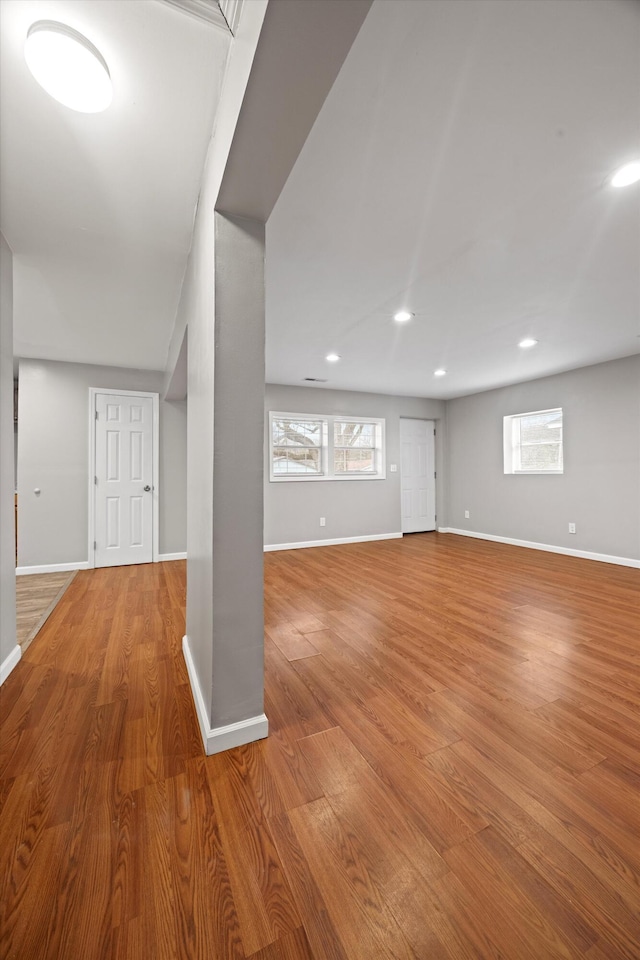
column 147, row 488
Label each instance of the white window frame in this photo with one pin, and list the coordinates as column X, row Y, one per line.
column 512, row 445
column 327, row 448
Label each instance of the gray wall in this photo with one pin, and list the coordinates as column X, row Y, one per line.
column 238, row 588
column 173, row 476
column 53, row 454
column 292, row 511
column 7, row 548
column 197, row 310
column 600, row 488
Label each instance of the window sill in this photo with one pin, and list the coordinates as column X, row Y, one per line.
column 349, row 479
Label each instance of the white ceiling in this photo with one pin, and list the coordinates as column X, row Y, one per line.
column 98, row 209
column 458, row 169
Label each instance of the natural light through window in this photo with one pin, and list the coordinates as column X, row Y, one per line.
column 533, row 442
column 297, row 446
column 323, row 447
column 354, row 446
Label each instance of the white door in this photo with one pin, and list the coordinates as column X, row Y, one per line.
column 123, row 489
column 417, row 446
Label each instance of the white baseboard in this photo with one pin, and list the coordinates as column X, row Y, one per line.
column 163, row 557
column 301, row 544
column 52, row 568
column 547, row 547
column 9, row 663
column 217, row 739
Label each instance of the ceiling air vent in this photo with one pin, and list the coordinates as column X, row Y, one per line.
column 314, row 380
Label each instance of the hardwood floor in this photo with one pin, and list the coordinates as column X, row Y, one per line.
column 453, row 769
column 36, row 596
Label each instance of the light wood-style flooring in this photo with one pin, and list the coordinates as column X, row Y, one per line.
column 36, row 596
column 453, row 769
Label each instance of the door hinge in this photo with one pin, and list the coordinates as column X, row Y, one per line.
column 95, row 544
column 434, row 431
column 435, row 474
column 96, row 414
column 95, row 479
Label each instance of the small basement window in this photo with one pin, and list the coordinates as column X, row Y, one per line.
column 533, row 442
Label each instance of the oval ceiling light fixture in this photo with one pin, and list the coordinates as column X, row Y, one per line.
column 402, row 316
column 440, row 372
column 332, row 357
column 626, row 175
column 68, row 66
column 527, row 342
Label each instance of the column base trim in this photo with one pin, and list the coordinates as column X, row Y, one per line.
column 9, row 663
column 217, row 739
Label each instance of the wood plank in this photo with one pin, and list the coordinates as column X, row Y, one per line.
column 339, row 866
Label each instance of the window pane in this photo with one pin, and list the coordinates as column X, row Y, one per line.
column 541, row 456
column 353, row 461
column 301, row 461
column 353, row 434
column 307, row 433
column 541, row 427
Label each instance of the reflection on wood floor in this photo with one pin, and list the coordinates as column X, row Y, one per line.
column 36, row 596
column 452, row 771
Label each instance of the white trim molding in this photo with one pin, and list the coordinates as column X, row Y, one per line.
column 163, row 557
column 9, row 663
column 210, row 12
column 217, row 739
column 301, row 544
column 547, row 547
column 52, row 568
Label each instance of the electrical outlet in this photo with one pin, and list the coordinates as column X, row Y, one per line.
column 323, row 521
column 466, row 514
column 572, row 528
column 393, row 467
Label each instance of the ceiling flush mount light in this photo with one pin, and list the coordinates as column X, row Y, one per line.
column 626, row 175
column 68, row 66
column 440, row 372
column 527, row 342
column 332, row 357
column 402, row 316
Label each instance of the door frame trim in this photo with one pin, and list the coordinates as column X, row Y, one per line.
column 155, row 533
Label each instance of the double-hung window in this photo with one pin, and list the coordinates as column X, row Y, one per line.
column 297, row 446
column 324, row 447
column 354, row 447
column 533, row 442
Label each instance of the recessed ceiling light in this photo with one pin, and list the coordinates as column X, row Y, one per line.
column 402, row 316
column 626, row 175
column 68, row 66
column 527, row 342
column 332, row 357
column 440, row 372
